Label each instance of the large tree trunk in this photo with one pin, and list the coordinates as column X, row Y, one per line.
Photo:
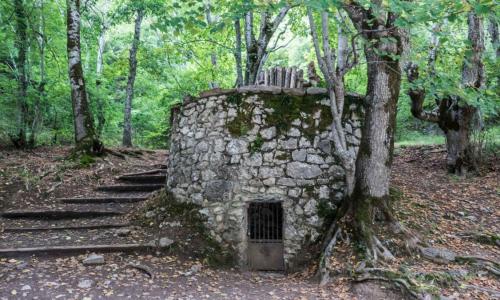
column 127, row 123
column 373, row 164
column 85, row 137
column 19, row 138
column 457, row 120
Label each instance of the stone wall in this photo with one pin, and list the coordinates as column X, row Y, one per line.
column 258, row 143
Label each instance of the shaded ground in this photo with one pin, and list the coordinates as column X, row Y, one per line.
column 441, row 208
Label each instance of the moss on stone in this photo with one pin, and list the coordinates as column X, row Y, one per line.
column 286, row 108
column 284, row 156
column 326, row 210
column 256, row 145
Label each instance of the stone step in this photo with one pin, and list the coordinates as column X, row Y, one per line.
column 99, row 200
column 76, row 249
column 57, row 214
column 76, row 227
column 151, row 179
column 150, row 172
column 130, row 188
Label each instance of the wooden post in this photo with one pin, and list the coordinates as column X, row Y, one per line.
column 293, row 78
column 300, row 81
column 279, row 76
column 287, row 77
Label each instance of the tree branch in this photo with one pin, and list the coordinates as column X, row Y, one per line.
column 417, row 96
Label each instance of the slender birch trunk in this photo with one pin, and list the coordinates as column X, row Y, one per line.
column 85, row 137
column 237, row 53
column 101, row 119
column 213, row 57
column 127, row 123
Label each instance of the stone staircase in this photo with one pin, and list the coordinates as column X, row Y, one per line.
column 92, row 223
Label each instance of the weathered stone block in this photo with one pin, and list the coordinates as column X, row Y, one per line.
column 302, row 170
column 217, row 190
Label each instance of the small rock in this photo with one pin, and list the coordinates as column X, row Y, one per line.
column 21, row 265
column 85, row 283
column 194, row 269
column 458, row 273
column 93, row 259
column 26, row 288
column 150, row 214
column 165, row 242
column 438, row 255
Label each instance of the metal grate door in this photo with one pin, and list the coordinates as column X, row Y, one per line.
column 265, row 236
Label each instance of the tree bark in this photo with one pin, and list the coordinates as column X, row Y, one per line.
column 237, row 53
column 374, row 160
column 494, row 36
column 85, row 137
column 127, row 123
column 19, row 138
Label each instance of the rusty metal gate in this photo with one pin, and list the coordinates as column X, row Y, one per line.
column 265, row 236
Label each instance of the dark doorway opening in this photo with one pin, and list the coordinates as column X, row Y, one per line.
column 265, row 236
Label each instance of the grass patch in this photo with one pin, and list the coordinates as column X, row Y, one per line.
column 415, row 138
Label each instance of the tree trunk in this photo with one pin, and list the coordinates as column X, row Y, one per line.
column 373, row 164
column 213, row 57
column 101, row 118
column 493, row 30
column 19, row 138
column 237, row 53
column 85, row 137
column 41, row 85
column 127, row 123
column 457, row 120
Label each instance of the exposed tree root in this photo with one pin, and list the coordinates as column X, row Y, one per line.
column 122, row 153
column 142, row 268
column 406, row 284
column 491, row 266
column 495, row 293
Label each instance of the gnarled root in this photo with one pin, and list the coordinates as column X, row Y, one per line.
column 324, row 270
column 406, row 284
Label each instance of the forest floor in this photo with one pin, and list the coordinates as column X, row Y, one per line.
column 446, row 211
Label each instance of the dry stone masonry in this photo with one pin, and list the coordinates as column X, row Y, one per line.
column 253, row 144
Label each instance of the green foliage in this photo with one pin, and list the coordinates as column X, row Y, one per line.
column 86, row 160
column 256, row 145
column 174, row 59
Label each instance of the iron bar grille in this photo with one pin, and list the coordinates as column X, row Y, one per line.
column 265, row 222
